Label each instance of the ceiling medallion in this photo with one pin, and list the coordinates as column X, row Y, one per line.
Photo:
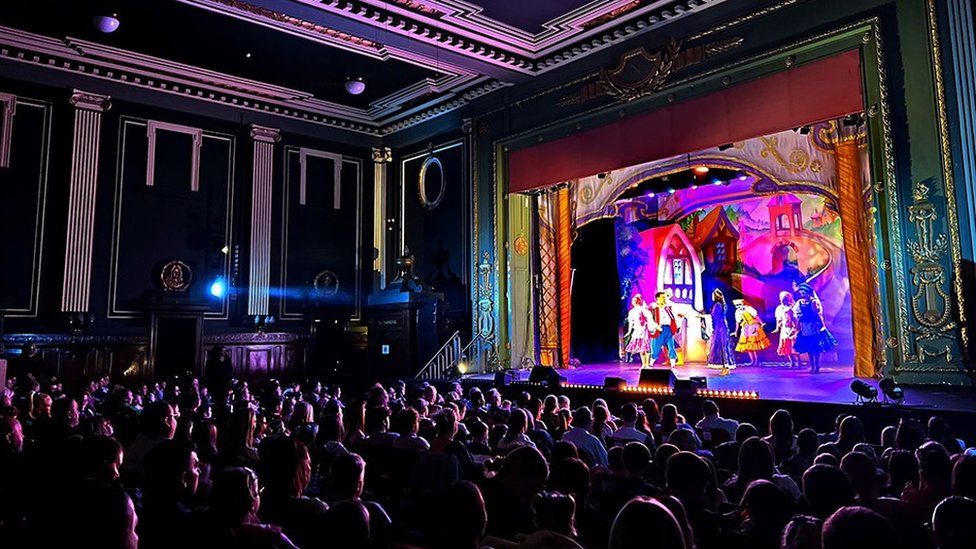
column 175, row 276
column 640, row 72
column 326, row 283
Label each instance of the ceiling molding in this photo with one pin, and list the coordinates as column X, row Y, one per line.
column 462, row 28
column 385, row 115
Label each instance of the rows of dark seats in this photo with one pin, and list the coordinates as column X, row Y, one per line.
column 177, row 464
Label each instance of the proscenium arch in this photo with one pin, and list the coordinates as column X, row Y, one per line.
column 863, row 36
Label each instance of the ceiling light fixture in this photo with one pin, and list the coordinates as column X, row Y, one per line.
column 355, row 86
column 106, row 23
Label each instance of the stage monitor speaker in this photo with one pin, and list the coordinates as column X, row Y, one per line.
column 614, row 383
column 502, row 378
column 655, row 377
column 545, row 374
column 690, row 385
column 700, row 382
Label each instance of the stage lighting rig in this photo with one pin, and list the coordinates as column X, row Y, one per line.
column 893, row 394
column 865, row 392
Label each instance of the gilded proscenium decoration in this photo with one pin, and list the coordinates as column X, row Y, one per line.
column 595, row 86
column 521, row 244
column 651, row 71
column 486, row 322
column 930, row 302
column 175, row 276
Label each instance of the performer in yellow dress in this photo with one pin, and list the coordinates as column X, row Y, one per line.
column 749, row 327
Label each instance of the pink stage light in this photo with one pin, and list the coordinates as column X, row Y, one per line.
column 701, row 170
column 355, row 86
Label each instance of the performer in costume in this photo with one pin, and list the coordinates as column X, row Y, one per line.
column 814, row 338
column 788, row 328
column 749, row 329
column 639, row 328
column 666, row 323
column 720, row 344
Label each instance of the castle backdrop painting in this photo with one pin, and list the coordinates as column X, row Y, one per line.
column 751, row 247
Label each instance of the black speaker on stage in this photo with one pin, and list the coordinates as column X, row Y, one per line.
column 545, row 374
column 656, row 377
column 690, row 385
column 614, row 383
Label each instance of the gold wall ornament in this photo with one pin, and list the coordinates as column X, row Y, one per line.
column 652, row 70
column 521, row 244
column 797, row 162
column 326, row 283
column 175, row 276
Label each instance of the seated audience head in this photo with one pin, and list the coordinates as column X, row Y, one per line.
column 807, row 442
column 11, row 436
column 645, row 522
column 909, row 435
column 934, row 467
column 851, row 527
column 964, row 477
column 348, row 524
column 564, row 449
column 863, row 474
column 902, row 470
column 826, row 489
column 685, row 439
column 461, row 517
column 636, row 457
column 686, row 476
column 744, row 432
column 888, row 436
column 767, row 507
column 525, row 471
column 571, row 476
column 285, row 467
column 953, row 526
column 826, row 458
column 377, row 420
column 582, row 417
column 159, row 420
column 106, row 518
column 628, row 414
column 407, row 422
column 651, row 411
column 755, row 461
column 555, row 512
column 802, row 532
column 101, row 458
column 709, row 408
column 347, row 476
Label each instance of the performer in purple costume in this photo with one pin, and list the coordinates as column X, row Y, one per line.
column 814, row 338
column 720, row 344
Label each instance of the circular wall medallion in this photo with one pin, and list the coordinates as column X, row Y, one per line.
column 521, row 245
column 175, row 276
column 431, row 184
column 326, row 283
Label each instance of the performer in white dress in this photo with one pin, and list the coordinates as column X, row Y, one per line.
column 639, row 329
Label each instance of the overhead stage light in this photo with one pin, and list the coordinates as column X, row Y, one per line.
column 355, row 86
column 864, row 391
column 218, row 288
column 892, row 392
column 106, row 23
column 700, row 170
column 725, row 147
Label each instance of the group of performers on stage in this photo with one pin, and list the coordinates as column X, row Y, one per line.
column 652, row 329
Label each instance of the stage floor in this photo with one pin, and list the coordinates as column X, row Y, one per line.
column 772, row 382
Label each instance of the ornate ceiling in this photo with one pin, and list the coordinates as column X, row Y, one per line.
column 419, row 58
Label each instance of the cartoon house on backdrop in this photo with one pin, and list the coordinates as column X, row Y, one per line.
column 676, row 267
column 718, row 240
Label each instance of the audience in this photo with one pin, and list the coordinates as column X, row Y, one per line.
column 174, row 463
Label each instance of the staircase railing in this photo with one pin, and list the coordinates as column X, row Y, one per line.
column 446, row 361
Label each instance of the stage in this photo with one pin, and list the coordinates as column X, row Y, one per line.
column 772, row 382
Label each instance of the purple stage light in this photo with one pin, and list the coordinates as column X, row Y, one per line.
column 106, row 23
column 355, row 86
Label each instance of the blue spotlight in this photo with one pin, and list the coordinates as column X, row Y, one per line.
column 218, row 288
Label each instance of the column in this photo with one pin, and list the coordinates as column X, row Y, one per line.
column 81, row 199
column 262, row 176
column 382, row 156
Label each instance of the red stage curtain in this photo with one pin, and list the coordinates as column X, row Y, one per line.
column 829, row 88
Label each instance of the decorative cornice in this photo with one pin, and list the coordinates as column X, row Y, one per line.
column 462, row 28
column 212, row 339
column 90, row 101
column 8, row 107
column 265, row 134
column 134, row 69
